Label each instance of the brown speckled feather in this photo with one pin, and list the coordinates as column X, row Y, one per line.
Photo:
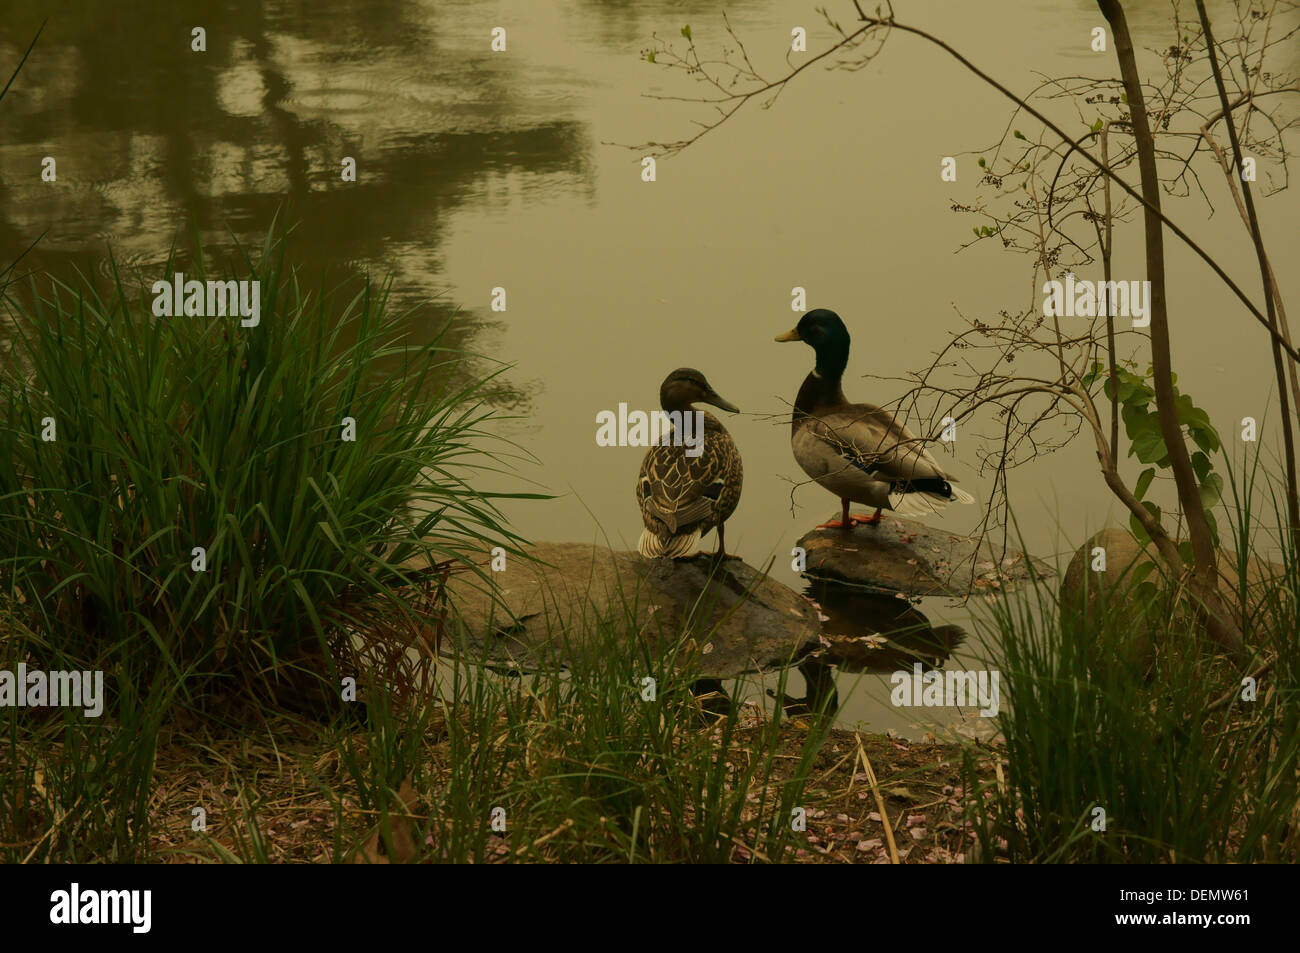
column 683, row 496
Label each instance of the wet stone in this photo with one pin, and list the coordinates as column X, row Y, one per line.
column 567, row 587
column 902, row 555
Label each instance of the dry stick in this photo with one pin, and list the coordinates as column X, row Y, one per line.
column 52, row 828
column 1248, row 98
column 880, row 802
column 1288, row 438
column 544, row 838
column 1233, row 693
column 1283, row 324
column 754, row 851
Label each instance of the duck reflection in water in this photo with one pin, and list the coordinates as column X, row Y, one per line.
column 866, row 631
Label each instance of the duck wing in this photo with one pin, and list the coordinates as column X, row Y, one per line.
column 682, row 491
column 869, row 439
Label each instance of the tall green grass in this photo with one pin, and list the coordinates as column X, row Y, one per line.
column 1160, row 740
column 172, row 433
column 128, row 440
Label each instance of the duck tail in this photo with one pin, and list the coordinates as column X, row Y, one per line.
column 916, row 504
column 924, row 502
column 674, row 547
column 961, row 496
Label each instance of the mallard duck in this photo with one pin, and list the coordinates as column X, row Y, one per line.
column 858, row 451
column 682, row 497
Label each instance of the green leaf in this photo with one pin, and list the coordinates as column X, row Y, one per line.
column 1144, row 481
column 1140, row 572
column 1205, row 437
column 1018, row 134
column 1145, row 592
column 1136, row 525
column 981, row 162
column 1149, row 444
column 1202, row 465
column 1211, row 490
column 1135, row 418
column 650, row 56
column 1185, row 550
column 1096, row 126
column 686, row 31
column 1123, row 98
column 1138, row 532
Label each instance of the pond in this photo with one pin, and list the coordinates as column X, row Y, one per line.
column 479, row 170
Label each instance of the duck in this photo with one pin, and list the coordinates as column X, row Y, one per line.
column 859, row 452
column 683, row 496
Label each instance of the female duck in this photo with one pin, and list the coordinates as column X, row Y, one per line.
column 684, row 489
column 858, row 451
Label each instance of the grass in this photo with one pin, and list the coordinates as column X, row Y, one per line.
column 182, row 507
column 1159, row 745
column 129, row 442
column 586, row 755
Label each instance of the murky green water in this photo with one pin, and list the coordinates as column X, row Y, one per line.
column 479, row 169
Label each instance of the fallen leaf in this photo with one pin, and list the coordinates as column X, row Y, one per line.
column 376, row 850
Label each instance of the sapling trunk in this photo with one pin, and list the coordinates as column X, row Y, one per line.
column 1266, row 276
column 1204, row 582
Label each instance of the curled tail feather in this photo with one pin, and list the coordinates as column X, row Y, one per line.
column 925, row 503
column 674, row 547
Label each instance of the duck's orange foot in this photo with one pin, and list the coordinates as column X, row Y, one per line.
column 856, row 519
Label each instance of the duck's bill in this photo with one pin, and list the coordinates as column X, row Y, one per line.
column 791, row 335
column 726, row 405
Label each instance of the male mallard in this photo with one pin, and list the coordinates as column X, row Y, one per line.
column 682, row 497
column 858, row 451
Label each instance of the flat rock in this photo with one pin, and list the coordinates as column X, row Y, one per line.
column 512, row 618
column 902, row 555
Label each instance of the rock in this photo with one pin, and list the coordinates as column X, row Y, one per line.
column 902, row 555
column 566, row 587
column 1083, row 587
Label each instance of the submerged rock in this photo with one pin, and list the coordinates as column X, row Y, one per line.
column 902, row 555
column 549, row 608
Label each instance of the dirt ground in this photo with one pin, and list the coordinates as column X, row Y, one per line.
column 912, row 815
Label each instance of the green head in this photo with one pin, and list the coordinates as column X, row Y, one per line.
column 826, row 334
